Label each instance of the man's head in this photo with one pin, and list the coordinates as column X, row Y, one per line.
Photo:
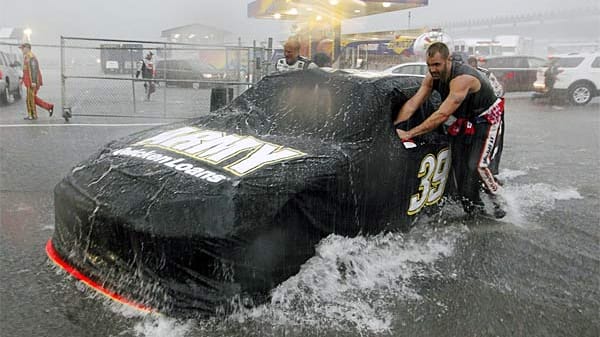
column 438, row 60
column 149, row 55
column 322, row 60
column 291, row 50
column 472, row 61
column 25, row 47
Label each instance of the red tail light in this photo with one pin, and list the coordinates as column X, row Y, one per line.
column 509, row 75
column 1, row 74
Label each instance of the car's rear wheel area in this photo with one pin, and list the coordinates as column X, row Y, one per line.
column 18, row 93
column 5, row 94
column 580, row 93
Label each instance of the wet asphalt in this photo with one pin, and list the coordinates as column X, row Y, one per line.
column 511, row 282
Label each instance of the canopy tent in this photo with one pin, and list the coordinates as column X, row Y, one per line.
column 306, row 10
column 326, row 11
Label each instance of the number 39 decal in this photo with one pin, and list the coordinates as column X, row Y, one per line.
column 433, row 173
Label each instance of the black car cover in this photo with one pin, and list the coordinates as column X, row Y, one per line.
column 184, row 217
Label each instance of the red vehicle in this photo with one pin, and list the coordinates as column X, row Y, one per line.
column 515, row 73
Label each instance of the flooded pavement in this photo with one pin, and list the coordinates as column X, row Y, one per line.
column 535, row 273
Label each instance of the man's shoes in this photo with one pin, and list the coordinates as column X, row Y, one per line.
column 67, row 114
column 479, row 211
column 499, row 206
column 499, row 213
column 473, row 210
column 29, row 118
column 51, row 110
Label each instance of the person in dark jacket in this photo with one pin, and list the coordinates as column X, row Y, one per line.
column 32, row 80
column 496, row 85
column 499, row 91
column 146, row 69
column 550, row 79
column 322, row 60
column 469, row 99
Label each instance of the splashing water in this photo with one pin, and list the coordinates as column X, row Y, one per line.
column 507, row 174
column 162, row 326
column 528, row 201
column 349, row 282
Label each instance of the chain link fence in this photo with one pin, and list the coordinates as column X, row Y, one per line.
column 99, row 77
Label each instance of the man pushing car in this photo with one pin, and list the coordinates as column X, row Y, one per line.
column 469, row 100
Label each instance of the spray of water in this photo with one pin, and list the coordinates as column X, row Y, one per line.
column 351, row 284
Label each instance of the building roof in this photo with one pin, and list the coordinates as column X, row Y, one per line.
column 11, row 33
column 194, row 28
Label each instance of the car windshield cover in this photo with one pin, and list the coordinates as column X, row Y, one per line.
column 309, row 103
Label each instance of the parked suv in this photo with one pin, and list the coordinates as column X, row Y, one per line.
column 10, row 72
column 578, row 79
column 515, row 73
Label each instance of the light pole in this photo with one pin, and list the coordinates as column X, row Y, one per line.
column 27, row 33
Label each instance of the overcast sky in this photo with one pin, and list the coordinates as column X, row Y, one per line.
column 145, row 19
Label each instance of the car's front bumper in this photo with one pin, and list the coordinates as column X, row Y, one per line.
column 184, row 275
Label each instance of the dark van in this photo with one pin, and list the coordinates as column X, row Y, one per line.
column 187, row 73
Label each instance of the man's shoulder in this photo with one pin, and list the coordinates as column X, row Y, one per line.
column 461, row 70
column 464, row 80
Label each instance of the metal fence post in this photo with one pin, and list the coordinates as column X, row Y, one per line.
column 270, row 51
column 239, row 64
column 165, row 57
column 133, row 84
column 63, row 93
column 251, row 60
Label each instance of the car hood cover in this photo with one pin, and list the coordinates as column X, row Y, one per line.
column 255, row 149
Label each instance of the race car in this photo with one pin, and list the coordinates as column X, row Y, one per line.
column 183, row 218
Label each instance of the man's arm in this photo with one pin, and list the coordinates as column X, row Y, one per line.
column 312, row 65
column 409, row 108
column 138, row 71
column 459, row 88
column 34, row 69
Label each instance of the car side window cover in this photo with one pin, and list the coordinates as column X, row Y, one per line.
column 596, row 62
